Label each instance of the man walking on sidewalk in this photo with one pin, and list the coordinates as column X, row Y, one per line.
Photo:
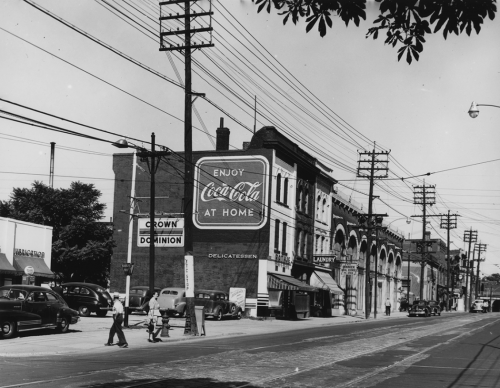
column 387, row 307
column 117, row 324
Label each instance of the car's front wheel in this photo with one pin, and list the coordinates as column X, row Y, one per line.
column 9, row 329
column 63, row 326
column 84, row 311
column 238, row 314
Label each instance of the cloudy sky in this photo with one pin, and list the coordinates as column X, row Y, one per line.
column 98, row 64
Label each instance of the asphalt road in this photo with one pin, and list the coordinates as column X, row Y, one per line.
column 460, row 350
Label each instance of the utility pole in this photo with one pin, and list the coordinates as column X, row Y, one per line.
column 51, row 174
column 479, row 248
column 470, row 236
column 448, row 222
column 424, row 195
column 377, row 163
column 174, row 39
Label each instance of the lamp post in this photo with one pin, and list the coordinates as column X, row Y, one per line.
column 155, row 157
column 474, row 111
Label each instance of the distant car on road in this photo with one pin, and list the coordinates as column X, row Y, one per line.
column 216, row 304
column 173, row 301
column 24, row 308
column 139, row 298
column 478, row 306
column 87, row 298
column 434, row 307
column 420, row 308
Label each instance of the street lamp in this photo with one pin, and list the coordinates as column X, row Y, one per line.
column 153, row 166
column 474, row 111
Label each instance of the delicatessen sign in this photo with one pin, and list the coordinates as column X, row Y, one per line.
column 231, row 192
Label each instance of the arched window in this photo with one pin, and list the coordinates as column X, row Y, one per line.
column 285, row 191
column 323, row 211
column 304, row 245
column 278, row 188
column 277, row 236
column 318, row 212
column 298, row 242
column 316, row 248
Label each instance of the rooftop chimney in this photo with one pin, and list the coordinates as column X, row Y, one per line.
column 222, row 143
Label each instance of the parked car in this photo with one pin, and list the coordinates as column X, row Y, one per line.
column 173, row 301
column 87, row 298
column 478, row 306
column 216, row 304
column 420, row 308
column 434, row 307
column 24, row 308
column 139, row 298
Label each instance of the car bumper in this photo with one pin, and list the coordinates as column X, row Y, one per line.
column 75, row 319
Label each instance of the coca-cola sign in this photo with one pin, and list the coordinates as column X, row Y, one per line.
column 231, row 192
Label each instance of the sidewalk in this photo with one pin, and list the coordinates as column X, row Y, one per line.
column 90, row 334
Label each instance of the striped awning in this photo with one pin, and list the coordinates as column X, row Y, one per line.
column 325, row 281
column 284, row 282
column 41, row 269
column 6, row 267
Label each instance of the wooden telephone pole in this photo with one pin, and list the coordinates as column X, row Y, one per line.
column 173, row 38
column 372, row 165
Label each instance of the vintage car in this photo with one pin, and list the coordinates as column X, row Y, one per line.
column 173, row 301
column 139, row 297
column 24, row 308
column 420, row 308
column 216, row 304
column 478, row 306
column 434, row 307
column 87, row 298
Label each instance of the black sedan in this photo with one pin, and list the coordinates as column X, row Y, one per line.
column 24, row 308
column 420, row 308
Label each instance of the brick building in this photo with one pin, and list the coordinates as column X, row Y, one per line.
column 267, row 218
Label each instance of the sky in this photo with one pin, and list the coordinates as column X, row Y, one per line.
column 335, row 96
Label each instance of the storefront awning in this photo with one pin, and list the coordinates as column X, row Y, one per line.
column 284, row 282
column 326, row 282
column 41, row 269
column 6, row 267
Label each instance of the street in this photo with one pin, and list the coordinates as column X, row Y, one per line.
column 453, row 350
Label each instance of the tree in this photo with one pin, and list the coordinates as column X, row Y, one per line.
column 81, row 245
column 493, row 278
column 405, row 22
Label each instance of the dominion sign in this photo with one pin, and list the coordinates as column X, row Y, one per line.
column 231, row 192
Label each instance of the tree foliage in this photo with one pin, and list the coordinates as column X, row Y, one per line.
column 405, row 22
column 81, row 245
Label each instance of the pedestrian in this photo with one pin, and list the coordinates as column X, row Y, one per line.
column 153, row 316
column 116, row 328
column 387, row 307
column 56, row 288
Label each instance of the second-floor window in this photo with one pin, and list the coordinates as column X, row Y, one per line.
column 277, row 236
column 285, row 191
column 283, row 238
column 278, row 188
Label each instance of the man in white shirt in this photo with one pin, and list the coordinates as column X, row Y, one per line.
column 117, row 324
column 387, row 307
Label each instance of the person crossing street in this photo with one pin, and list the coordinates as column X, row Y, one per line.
column 116, row 328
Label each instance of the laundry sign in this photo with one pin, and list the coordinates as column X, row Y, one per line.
column 168, row 232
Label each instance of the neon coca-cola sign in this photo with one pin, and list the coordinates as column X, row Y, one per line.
column 231, row 192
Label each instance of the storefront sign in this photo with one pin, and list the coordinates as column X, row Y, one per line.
column 238, row 296
column 348, row 269
column 231, row 256
column 29, row 270
column 189, row 276
column 324, row 259
column 231, row 192
column 28, row 253
column 168, row 232
column 281, row 259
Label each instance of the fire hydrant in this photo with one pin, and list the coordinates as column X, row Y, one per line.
column 164, row 325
